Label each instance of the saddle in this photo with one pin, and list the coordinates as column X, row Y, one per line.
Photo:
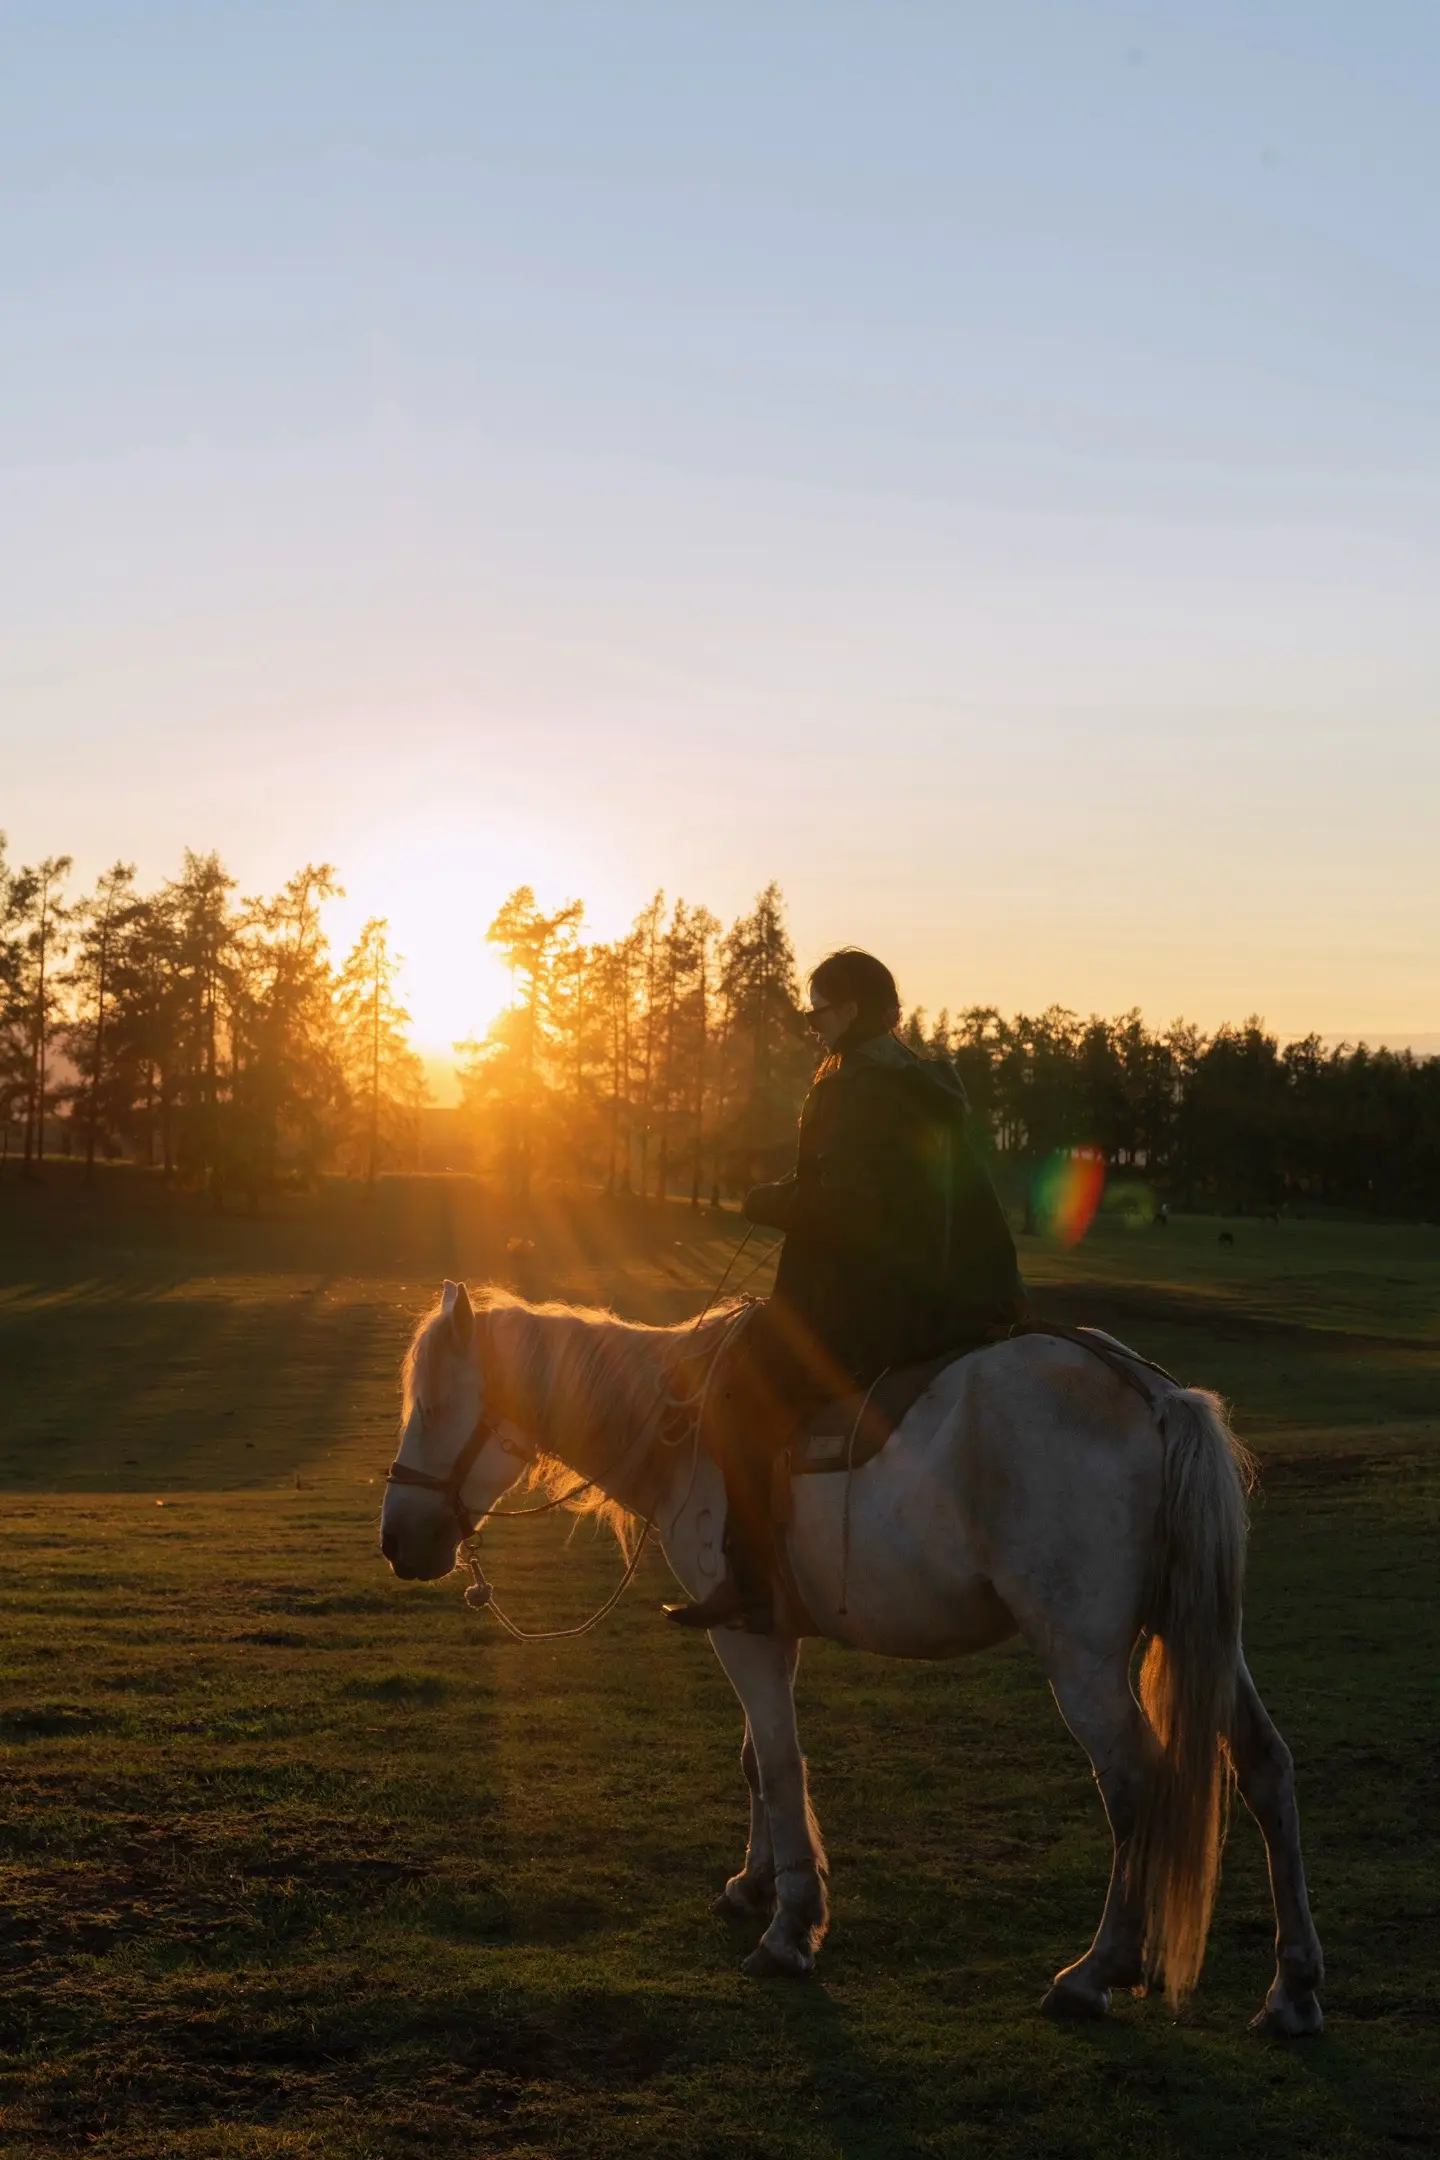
column 846, row 1434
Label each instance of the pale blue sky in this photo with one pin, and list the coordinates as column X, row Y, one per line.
column 980, row 465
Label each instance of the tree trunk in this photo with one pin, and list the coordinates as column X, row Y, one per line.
column 704, row 994
column 34, row 1164
column 532, row 1027
column 629, row 1142
column 645, row 1096
column 614, row 1097
column 211, row 1085
column 99, row 1066
column 667, row 1085
column 721, row 1095
column 374, row 1077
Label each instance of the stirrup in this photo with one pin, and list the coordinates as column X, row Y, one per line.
column 726, row 1607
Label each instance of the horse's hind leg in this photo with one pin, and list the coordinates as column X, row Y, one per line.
column 751, row 1893
column 1266, row 1771
column 1096, row 1703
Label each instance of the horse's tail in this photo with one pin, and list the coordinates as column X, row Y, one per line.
column 1188, row 1680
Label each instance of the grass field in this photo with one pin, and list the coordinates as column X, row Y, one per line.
column 298, row 1861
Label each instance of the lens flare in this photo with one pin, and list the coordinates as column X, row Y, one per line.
column 1067, row 1193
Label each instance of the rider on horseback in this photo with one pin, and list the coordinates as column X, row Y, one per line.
column 896, row 1249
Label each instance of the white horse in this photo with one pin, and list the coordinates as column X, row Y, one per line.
column 1029, row 1489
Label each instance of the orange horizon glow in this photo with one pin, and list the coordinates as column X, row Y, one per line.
column 439, row 881
column 439, row 884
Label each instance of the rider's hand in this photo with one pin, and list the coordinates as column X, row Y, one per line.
column 770, row 1204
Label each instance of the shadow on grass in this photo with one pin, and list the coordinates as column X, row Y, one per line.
column 192, row 2049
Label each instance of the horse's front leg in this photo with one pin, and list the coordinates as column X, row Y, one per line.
column 751, row 1893
column 761, row 1670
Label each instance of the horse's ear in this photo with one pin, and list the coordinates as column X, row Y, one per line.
column 461, row 1313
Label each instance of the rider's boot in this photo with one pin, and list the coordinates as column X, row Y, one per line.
column 727, row 1606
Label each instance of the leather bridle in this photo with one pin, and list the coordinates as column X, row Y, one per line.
column 451, row 1487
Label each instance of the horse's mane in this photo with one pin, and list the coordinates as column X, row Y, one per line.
column 607, row 1372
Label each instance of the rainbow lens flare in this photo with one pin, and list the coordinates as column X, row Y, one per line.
column 1067, row 1193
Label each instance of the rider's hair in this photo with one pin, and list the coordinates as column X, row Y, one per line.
column 850, row 973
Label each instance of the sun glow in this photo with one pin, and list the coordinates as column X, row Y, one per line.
column 439, row 883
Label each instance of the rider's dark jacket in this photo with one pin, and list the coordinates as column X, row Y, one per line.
column 896, row 1245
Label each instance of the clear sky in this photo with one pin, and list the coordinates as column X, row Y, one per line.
column 977, row 464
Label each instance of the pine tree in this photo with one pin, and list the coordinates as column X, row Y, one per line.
column 508, row 1070
column 386, row 1077
column 45, row 921
column 613, row 975
column 704, row 930
column 14, row 1004
column 764, row 996
column 146, row 1034
column 677, row 962
column 648, row 931
column 201, row 950
column 287, row 1100
column 103, row 919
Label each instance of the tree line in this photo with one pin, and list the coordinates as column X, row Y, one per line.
column 671, row 1060
column 674, row 1059
column 206, row 1035
column 1230, row 1120
column 213, row 1037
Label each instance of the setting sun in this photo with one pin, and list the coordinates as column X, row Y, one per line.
column 439, row 883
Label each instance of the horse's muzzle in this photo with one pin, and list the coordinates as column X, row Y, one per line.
column 417, row 1559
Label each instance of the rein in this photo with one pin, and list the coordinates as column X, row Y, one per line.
column 480, row 1597
column 480, row 1594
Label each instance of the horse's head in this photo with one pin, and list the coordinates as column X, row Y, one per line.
column 452, row 1464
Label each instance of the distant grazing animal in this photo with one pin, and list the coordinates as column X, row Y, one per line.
column 1227, row 1237
column 1032, row 1488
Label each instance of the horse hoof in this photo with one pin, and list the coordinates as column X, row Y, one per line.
column 1289, row 2020
column 763, row 1964
column 1073, row 2002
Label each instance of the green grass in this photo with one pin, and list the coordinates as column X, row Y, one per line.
column 297, row 1861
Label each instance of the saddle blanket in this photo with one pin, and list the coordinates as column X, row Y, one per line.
column 844, row 1434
